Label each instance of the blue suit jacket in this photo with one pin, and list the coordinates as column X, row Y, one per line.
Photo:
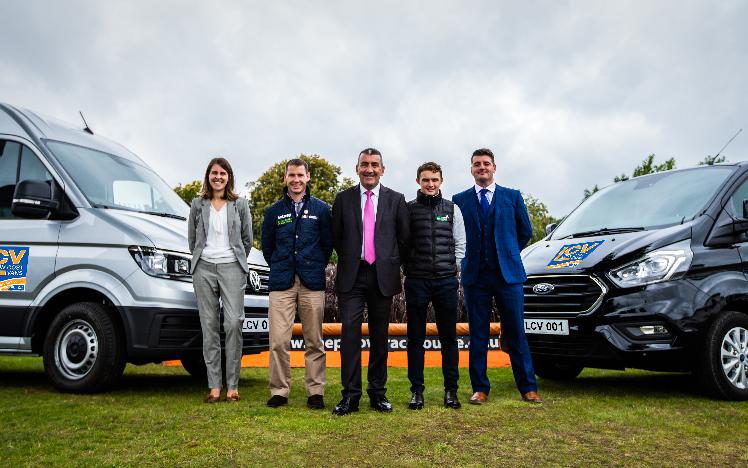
column 512, row 231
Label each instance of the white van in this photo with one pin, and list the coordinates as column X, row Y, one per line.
column 94, row 265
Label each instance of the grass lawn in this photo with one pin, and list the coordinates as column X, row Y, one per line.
column 155, row 416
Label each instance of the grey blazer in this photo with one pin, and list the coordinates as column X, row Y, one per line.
column 239, row 223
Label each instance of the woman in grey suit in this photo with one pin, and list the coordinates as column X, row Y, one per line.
column 220, row 236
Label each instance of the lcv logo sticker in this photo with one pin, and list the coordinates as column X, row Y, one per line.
column 14, row 262
column 572, row 254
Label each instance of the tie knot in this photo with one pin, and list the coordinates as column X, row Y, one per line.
column 483, row 191
column 369, row 194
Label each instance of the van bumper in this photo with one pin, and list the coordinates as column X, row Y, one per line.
column 611, row 336
column 159, row 334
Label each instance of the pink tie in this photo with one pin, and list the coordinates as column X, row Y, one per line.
column 369, row 221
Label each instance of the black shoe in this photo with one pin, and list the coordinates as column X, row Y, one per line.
column 347, row 405
column 380, row 403
column 315, row 402
column 276, row 401
column 450, row 399
column 416, row 401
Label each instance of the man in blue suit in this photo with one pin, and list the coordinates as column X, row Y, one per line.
column 497, row 227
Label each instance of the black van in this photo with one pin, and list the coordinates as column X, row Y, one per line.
column 648, row 273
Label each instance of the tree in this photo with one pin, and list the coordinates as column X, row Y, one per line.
column 189, row 191
column 647, row 166
column 267, row 189
column 539, row 216
column 710, row 160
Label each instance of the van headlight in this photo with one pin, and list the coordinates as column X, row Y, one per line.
column 162, row 264
column 659, row 265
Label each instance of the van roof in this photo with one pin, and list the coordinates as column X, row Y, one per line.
column 33, row 126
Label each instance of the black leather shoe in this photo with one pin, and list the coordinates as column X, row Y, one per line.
column 347, row 405
column 450, row 399
column 276, row 401
column 416, row 401
column 380, row 403
column 315, row 402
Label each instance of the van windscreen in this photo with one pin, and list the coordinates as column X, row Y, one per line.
column 647, row 202
column 110, row 181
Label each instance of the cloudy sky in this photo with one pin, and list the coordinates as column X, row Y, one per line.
column 567, row 94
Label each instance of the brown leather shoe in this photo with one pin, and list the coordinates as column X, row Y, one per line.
column 532, row 397
column 478, row 398
column 233, row 397
column 212, row 398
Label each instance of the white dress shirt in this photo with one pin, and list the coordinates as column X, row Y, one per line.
column 375, row 202
column 217, row 248
column 489, row 193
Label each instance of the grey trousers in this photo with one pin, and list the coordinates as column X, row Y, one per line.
column 227, row 282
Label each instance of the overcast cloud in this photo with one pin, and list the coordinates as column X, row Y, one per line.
column 567, row 94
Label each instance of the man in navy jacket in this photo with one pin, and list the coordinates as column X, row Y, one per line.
column 297, row 244
column 497, row 227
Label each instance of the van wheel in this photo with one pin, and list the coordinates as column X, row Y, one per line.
column 724, row 363
column 556, row 370
column 83, row 349
column 194, row 364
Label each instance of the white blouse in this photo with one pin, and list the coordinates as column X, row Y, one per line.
column 217, row 248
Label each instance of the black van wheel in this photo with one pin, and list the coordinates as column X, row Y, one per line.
column 724, row 362
column 556, row 370
column 194, row 364
column 83, row 350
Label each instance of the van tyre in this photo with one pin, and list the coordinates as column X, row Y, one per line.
column 194, row 364
column 723, row 368
column 83, row 350
column 556, row 370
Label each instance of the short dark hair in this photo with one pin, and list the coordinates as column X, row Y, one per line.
column 297, row 162
column 370, row 152
column 429, row 166
column 483, row 152
column 228, row 192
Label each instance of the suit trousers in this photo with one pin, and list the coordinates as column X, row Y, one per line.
column 224, row 281
column 365, row 292
column 442, row 293
column 311, row 306
column 510, row 302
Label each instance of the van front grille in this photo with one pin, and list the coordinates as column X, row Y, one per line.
column 257, row 280
column 562, row 295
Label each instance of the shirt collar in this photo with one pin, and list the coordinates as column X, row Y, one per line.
column 478, row 188
column 375, row 190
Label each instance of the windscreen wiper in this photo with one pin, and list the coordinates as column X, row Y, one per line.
column 604, row 231
column 154, row 213
column 164, row 215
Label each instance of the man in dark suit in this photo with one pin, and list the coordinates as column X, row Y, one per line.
column 370, row 227
column 497, row 227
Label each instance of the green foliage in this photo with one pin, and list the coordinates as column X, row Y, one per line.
column 189, row 191
column 710, row 160
column 539, row 216
column 268, row 188
column 647, row 166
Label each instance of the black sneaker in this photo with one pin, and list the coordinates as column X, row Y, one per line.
column 276, row 401
column 315, row 402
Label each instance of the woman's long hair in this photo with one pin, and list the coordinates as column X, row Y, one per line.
column 228, row 192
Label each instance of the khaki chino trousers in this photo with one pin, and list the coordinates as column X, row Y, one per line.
column 281, row 314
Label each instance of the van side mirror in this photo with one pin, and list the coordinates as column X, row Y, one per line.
column 552, row 227
column 34, row 199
